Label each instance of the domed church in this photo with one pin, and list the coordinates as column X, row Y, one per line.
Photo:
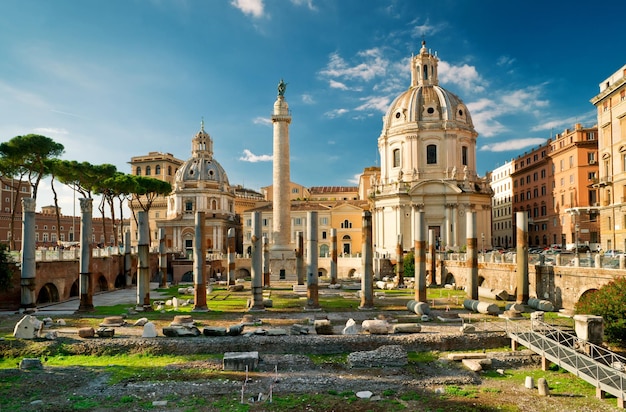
column 428, row 163
column 201, row 184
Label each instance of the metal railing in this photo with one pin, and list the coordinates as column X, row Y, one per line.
column 597, row 365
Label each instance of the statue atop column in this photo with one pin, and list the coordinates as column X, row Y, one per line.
column 282, row 86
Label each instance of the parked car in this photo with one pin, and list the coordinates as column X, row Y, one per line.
column 613, row 253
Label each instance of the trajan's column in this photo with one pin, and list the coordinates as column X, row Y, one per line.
column 281, row 204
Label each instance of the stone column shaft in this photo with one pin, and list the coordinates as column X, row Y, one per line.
column 420, row 258
column 333, row 256
column 281, row 176
column 311, row 264
column 231, row 256
column 472, row 256
column 367, row 261
column 162, row 258
column 199, row 264
column 521, row 219
column 433, row 256
column 128, row 259
column 266, row 262
column 85, row 281
column 300, row 258
column 29, row 266
column 257, row 264
column 399, row 262
column 143, row 265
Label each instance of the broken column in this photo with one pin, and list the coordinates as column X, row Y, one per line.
column 199, row 265
column 143, row 265
column 433, row 257
column 420, row 258
column 162, row 258
column 472, row 256
column 266, row 262
column 399, row 262
column 27, row 281
column 85, row 281
column 312, row 301
column 367, row 281
column 333, row 256
column 128, row 259
column 257, row 264
column 521, row 219
column 300, row 258
column 231, row 256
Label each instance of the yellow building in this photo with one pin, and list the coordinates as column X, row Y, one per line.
column 611, row 108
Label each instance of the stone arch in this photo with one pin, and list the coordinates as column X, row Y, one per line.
column 586, row 292
column 322, row 272
column 351, row 273
column 449, row 279
column 481, row 280
column 102, row 285
column 48, row 294
column 243, row 273
column 75, row 289
column 187, row 277
column 120, row 281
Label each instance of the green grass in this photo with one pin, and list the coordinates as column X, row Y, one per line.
column 339, row 359
column 422, row 357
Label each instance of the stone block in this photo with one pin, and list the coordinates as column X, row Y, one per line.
column 407, row 328
column 375, row 326
column 542, row 386
column 149, row 330
column 214, row 331
column 467, row 328
column 238, row 361
column 105, row 332
column 276, row 332
column 469, row 355
column 350, row 328
column 27, row 328
column 31, row 363
column 384, row 356
column 113, row 321
column 235, row 330
column 141, row 322
column 235, row 288
column 180, row 331
column 323, row 327
column 589, row 328
column 86, row 332
column 297, row 329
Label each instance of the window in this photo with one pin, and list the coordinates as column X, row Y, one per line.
column 571, row 178
column 535, row 176
column 324, row 221
column 346, row 224
column 295, row 190
column 396, row 157
column 266, row 222
column 169, row 170
column 157, row 170
column 562, row 164
column 431, row 154
column 324, row 234
column 297, row 221
column 543, row 173
column 464, row 155
column 188, row 206
column 148, row 170
column 138, row 171
column 45, row 237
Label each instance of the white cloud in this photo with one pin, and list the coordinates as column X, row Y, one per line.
column 262, row 120
column 426, row 28
column 465, row 76
column 337, row 85
column 335, row 113
column 331, row 142
column 373, row 65
column 309, row 4
column 505, row 61
column 307, row 99
column 380, row 103
column 355, row 179
column 561, row 124
column 250, row 157
column 513, row 145
column 253, row 8
column 50, row 131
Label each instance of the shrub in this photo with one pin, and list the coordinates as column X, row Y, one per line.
column 609, row 302
column 409, row 265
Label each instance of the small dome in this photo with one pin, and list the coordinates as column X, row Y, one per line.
column 202, row 167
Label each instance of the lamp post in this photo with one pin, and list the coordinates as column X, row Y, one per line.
column 577, row 229
column 482, row 236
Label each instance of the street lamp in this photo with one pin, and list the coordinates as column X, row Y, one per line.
column 482, row 236
column 577, row 228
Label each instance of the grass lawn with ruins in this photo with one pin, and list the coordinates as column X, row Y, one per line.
column 140, row 381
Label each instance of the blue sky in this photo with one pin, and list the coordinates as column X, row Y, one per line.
column 120, row 78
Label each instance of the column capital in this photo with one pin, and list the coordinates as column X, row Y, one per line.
column 86, row 204
column 28, row 204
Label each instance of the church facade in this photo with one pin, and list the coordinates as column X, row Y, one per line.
column 428, row 163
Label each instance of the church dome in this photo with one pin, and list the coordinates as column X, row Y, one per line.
column 202, row 167
column 425, row 102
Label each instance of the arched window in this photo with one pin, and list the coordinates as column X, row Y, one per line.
column 396, row 157
column 431, row 154
column 138, row 171
column 347, row 242
column 157, row 170
column 214, row 204
column 324, row 251
column 464, row 155
column 148, row 170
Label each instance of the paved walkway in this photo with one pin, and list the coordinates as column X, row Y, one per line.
column 115, row 297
